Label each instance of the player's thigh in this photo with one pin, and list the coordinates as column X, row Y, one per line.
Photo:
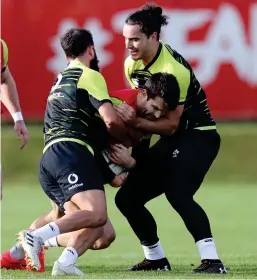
column 91, row 200
column 190, row 162
column 49, row 185
column 144, row 182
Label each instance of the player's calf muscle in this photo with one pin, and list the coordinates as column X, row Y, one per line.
column 104, row 241
column 84, row 239
column 107, row 237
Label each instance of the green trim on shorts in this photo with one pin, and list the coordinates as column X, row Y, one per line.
column 71, row 140
column 211, row 127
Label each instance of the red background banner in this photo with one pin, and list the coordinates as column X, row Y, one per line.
column 219, row 38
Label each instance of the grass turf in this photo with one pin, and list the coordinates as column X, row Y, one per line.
column 232, row 211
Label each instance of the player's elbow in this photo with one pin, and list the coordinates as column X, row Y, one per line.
column 116, row 128
column 113, row 123
column 111, row 118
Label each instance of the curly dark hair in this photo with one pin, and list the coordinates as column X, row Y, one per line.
column 75, row 42
column 164, row 85
column 149, row 18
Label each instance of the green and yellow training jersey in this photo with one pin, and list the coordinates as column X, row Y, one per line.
column 196, row 113
column 72, row 108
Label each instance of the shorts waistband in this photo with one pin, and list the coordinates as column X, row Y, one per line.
column 69, row 140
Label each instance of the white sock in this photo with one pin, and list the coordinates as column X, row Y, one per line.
column 68, row 256
column 46, row 232
column 207, row 249
column 154, row 252
column 52, row 242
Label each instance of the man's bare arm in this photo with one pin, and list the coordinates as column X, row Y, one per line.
column 166, row 125
column 10, row 98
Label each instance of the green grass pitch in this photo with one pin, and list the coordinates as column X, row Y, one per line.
column 232, row 211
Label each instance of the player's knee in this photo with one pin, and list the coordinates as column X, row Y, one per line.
column 122, row 202
column 179, row 201
column 109, row 238
column 98, row 232
column 100, row 219
column 105, row 241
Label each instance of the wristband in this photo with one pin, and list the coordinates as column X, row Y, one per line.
column 17, row 116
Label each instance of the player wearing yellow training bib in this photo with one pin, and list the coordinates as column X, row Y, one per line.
column 10, row 98
column 196, row 112
column 79, row 117
column 177, row 164
column 72, row 108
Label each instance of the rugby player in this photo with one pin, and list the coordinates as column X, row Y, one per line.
column 147, row 103
column 79, row 118
column 177, row 164
column 10, row 98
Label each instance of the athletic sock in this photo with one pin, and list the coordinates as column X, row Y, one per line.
column 154, row 252
column 207, row 249
column 68, row 256
column 46, row 232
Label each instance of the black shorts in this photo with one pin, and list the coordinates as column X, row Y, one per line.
column 67, row 168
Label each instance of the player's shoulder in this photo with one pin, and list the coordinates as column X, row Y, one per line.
column 92, row 75
column 4, row 54
column 4, row 48
column 92, row 81
column 176, row 55
column 87, row 73
column 123, row 93
column 3, row 43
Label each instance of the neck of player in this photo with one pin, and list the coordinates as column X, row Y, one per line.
column 81, row 59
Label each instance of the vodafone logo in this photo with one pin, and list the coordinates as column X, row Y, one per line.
column 73, row 178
